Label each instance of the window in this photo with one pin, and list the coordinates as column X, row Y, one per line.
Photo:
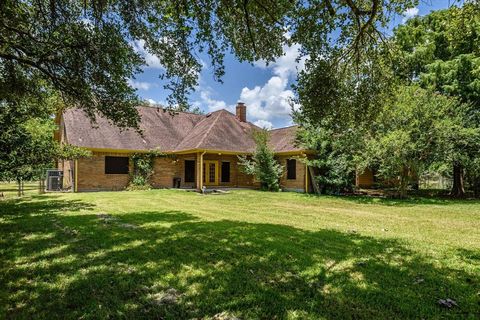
column 189, row 170
column 225, row 171
column 291, row 169
column 116, row 165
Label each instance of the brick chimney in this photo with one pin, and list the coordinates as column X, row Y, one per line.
column 241, row 111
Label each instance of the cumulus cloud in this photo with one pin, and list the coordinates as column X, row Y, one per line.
column 410, row 13
column 263, row 124
column 286, row 65
column 140, row 84
column 272, row 101
column 267, row 103
column 151, row 60
column 151, row 101
column 211, row 104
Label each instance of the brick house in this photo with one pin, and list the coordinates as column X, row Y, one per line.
column 202, row 150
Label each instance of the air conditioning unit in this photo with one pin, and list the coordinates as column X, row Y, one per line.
column 54, row 180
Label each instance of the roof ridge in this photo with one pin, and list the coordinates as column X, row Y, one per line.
column 293, row 125
column 165, row 109
column 208, row 131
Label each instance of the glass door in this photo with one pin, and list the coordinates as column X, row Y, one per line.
column 210, row 173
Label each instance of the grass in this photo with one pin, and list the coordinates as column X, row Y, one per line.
column 10, row 189
column 180, row 255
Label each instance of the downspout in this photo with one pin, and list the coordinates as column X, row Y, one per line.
column 201, row 170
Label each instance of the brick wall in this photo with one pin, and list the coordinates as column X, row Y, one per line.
column 164, row 170
column 364, row 179
column 91, row 174
column 297, row 184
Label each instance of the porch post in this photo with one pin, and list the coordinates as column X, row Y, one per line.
column 306, row 178
column 200, row 171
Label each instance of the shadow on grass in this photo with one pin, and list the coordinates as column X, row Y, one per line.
column 77, row 265
column 409, row 202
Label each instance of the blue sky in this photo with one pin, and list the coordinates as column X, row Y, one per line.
column 265, row 90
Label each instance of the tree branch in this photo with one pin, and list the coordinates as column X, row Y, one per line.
column 247, row 18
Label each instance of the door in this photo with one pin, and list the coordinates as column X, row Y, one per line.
column 210, row 173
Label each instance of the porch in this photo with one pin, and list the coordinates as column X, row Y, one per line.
column 212, row 170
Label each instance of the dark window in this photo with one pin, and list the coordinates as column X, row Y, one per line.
column 116, row 165
column 291, row 169
column 225, row 171
column 189, row 170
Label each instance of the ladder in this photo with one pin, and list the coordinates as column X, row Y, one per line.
column 316, row 188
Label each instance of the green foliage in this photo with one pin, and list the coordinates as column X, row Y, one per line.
column 338, row 104
column 88, row 50
column 27, row 146
column 143, row 169
column 407, row 130
column 441, row 52
column 336, row 156
column 411, row 134
column 263, row 165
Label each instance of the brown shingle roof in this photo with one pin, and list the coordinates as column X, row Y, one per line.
column 283, row 139
column 219, row 131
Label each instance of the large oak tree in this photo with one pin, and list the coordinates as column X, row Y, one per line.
column 85, row 49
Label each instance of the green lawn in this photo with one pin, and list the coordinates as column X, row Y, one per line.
column 180, row 255
column 9, row 190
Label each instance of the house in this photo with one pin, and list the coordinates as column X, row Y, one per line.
column 202, row 150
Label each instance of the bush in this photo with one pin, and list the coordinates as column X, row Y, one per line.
column 263, row 165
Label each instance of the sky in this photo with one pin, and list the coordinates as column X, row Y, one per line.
column 264, row 90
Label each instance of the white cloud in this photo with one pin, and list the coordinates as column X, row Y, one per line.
column 263, row 124
column 140, row 84
column 267, row 103
column 272, row 101
column 286, row 65
column 211, row 104
column 151, row 101
column 410, row 13
column 151, row 60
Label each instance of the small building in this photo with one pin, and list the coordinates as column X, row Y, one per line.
column 201, row 150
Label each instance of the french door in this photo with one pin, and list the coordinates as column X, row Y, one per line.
column 210, row 173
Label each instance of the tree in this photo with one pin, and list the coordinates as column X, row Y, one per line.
column 27, row 141
column 338, row 102
column 85, row 50
column 411, row 133
column 336, row 156
column 262, row 164
column 440, row 52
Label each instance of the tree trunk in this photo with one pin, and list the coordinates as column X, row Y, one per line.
column 458, row 190
column 19, row 183
column 403, row 183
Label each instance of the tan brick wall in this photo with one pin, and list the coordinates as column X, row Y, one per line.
column 297, row 184
column 364, row 179
column 164, row 170
column 91, row 174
